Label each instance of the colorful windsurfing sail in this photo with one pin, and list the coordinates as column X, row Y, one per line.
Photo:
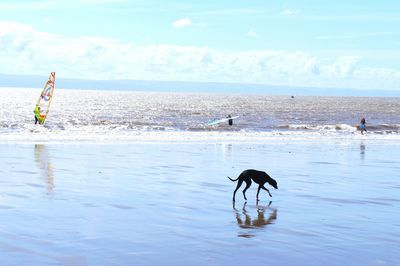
column 43, row 104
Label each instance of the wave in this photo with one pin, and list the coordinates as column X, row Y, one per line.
column 379, row 129
column 44, row 135
column 137, row 126
column 319, row 127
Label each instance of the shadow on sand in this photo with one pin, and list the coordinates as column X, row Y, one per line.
column 265, row 215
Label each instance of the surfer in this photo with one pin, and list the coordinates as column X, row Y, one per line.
column 37, row 112
column 362, row 126
column 230, row 120
column 39, row 118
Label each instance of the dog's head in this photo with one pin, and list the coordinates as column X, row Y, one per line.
column 272, row 182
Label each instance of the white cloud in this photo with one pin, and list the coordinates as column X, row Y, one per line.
column 182, row 23
column 252, row 34
column 290, row 12
column 343, row 67
column 23, row 50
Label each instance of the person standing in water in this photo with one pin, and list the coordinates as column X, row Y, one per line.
column 230, row 121
column 39, row 118
column 37, row 112
column 362, row 126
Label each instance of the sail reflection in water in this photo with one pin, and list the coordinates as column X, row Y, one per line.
column 265, row 215
column 42, row 160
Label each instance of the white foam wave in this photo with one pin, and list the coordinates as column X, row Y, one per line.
column 343, row 127
column 105, row 136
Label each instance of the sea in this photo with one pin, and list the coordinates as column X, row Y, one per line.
column 124, row 115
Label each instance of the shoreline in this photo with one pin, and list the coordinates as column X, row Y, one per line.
column 43, row 136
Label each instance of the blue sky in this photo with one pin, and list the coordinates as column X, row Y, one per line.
column 345, row 44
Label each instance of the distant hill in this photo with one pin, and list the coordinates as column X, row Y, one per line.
column 27, row 81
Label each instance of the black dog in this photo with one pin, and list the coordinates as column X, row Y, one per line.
column 257, row 176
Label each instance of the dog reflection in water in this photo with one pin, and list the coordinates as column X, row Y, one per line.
column 265, row 216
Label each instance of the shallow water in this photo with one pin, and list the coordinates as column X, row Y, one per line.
column 170, row 204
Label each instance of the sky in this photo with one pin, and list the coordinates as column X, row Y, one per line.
column 309, row 43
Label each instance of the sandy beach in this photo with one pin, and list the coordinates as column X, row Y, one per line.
column 171, row 204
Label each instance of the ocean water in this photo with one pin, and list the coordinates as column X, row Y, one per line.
column 115, row 115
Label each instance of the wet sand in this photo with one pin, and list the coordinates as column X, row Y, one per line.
column 170, row 204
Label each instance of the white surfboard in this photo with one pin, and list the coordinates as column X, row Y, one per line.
column 222, row 120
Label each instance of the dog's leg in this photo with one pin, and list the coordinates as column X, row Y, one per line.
column 258, row 192
column 248, row 184
column 237, row 187
column 266, row 190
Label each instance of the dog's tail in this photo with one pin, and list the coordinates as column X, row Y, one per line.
column 233, row 180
